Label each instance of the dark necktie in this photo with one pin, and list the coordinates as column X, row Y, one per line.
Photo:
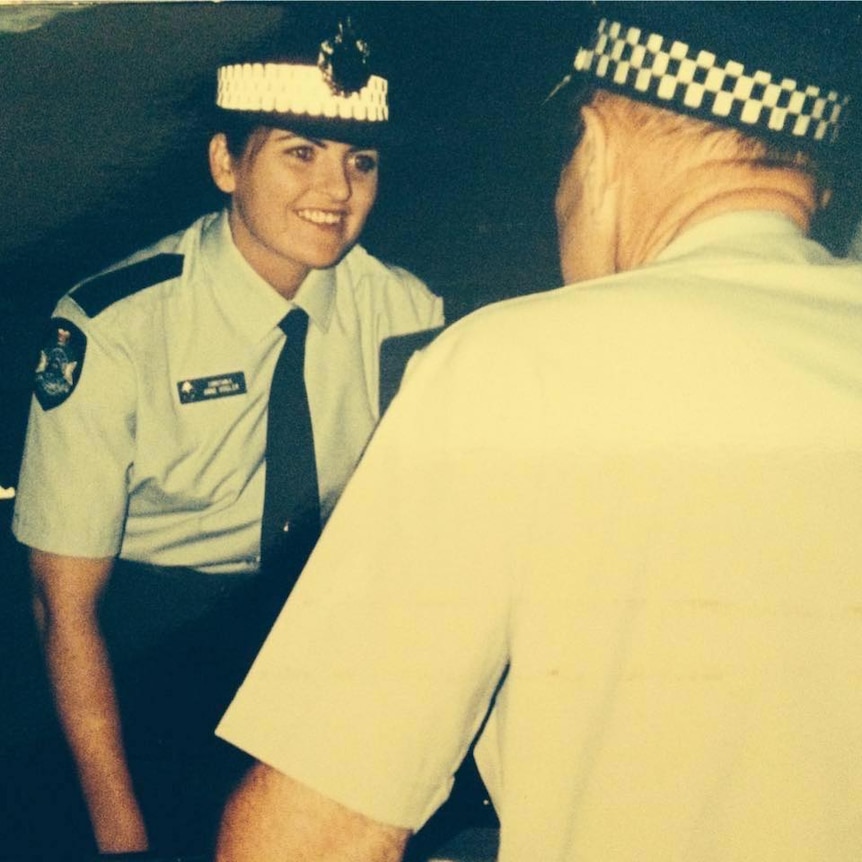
column 291, row 508
column 290, row 524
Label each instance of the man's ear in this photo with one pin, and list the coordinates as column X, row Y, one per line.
column 599, row 162
column 221, row 164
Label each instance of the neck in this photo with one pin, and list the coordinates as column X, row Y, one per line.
column 657, row 216
column 283, row 275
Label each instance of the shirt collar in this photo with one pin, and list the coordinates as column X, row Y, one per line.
column 316, row 296
column 253, row 305
column 740, row 229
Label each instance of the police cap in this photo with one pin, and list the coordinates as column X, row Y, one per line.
column 324, row 88
column 783, row 71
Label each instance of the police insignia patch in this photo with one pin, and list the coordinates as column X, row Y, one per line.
column 60, row 361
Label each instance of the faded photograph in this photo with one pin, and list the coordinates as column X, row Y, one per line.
column 430, row 431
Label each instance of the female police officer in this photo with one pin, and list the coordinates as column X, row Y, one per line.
column 145, row 458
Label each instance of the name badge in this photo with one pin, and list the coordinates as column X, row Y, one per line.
column 207, row 388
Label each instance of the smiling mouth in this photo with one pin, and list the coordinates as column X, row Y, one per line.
column 321, row 217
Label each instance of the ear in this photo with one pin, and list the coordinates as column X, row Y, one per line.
column 599, row 159
column 221, row 164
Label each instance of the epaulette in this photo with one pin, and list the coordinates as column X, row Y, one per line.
column 96, row 295
column 395, row 352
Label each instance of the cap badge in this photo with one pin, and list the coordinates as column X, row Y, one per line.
column 343, row 60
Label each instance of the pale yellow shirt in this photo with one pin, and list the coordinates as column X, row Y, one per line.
column 643, row 497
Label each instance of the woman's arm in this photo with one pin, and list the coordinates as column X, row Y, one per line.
column 66, row 598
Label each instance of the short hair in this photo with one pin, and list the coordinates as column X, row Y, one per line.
column 680, row 131
column 238, row 129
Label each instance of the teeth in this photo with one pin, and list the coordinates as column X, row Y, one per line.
column 320, row 217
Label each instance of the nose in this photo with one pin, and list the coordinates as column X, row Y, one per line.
column 335, row 179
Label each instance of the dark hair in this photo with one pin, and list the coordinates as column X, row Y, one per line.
column 238, row 129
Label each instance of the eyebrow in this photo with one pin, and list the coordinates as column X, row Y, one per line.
column 286, row 134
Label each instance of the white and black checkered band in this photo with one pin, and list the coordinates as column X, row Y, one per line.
column 675, row 75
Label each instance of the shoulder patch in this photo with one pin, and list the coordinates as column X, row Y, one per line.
column 60, row 362
column 97, row 294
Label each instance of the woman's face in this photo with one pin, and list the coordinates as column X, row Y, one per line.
column 296, row 203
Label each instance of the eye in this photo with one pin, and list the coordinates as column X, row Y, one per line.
column 301, row 152
column 365, row 163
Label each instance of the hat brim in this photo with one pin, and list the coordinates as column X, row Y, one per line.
column 347, row 131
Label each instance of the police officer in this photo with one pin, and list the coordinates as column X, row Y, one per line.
column 143, row 480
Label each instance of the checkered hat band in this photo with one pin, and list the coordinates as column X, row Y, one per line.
column 663, row 70
column 286, row 88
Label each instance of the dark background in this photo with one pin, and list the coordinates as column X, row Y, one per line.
column 103, row 145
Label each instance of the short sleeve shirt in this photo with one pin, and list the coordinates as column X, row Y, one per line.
column 158, row 453
column 624, row 517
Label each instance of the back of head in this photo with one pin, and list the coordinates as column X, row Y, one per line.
column 711, row 107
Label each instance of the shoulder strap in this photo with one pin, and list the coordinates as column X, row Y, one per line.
column 97, row 294
column 395, row 353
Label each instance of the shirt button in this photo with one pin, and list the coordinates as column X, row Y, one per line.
column 286, row 527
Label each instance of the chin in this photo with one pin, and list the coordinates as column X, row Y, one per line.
column 326, row 259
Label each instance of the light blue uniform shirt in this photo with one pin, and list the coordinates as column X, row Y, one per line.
column 123, row 466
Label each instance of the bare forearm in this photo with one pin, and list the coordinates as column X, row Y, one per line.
column 84, row 693
column 272, row 818
column 80, row 675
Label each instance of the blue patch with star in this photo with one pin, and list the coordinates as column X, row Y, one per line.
column 60, row 362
